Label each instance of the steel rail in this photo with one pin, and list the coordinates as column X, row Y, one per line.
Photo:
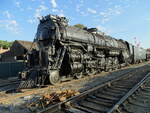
column 9, row 83
column 57, row 106
column 125, row 97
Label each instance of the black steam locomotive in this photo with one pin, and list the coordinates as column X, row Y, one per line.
column 65, row 52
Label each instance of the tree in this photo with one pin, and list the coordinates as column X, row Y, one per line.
column 81, row 26
column 148, row 49
column 5, row 44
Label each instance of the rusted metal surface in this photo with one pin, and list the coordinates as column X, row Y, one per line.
column 52, row 98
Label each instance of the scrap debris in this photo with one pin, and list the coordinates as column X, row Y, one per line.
column 52, row 98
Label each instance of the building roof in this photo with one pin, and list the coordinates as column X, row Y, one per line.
column 26, row 44
column 20, row 47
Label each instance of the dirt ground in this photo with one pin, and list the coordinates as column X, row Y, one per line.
column 15, row 103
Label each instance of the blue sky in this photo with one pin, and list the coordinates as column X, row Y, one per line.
column 124, row 19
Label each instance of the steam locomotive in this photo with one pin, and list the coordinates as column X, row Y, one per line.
column 65, row 52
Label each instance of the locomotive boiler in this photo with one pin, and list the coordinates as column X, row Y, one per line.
column 65, row 52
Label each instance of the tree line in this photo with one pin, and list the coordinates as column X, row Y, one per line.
column 5, row 44
column 148, row 49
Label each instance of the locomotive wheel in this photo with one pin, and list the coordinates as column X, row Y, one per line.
column 54, row 77
column 79, row 75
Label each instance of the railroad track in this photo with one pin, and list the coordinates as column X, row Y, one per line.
column 105, row 98
column 9, row 84
column 138, row 101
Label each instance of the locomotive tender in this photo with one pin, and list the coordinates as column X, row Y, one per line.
column 65, row 52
